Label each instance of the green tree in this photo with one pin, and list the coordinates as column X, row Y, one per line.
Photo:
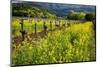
column 75, row 15
column 90, row 16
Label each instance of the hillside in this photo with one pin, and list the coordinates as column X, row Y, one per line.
column 58, row 9
column 25, row 10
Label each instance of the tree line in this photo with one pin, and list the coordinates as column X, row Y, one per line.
column 81, row 16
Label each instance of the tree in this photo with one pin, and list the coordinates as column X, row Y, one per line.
column 90, row 16
column 76, row 15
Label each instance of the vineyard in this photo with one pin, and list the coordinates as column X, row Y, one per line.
column 47, row 41
column 52, row 33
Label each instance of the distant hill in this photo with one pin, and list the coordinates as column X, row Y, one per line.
column 58, row 9
column 63, row 9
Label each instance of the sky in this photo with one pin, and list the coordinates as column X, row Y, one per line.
column 85, row 2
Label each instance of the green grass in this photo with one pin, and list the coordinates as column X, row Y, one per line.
column 73, row 44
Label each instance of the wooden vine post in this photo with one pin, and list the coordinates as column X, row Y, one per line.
column 23, row 32
column 45, row 27
column 55, row 24
column 50, row 25
column 35, row 28
column 59, row 23
column 63, row 24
